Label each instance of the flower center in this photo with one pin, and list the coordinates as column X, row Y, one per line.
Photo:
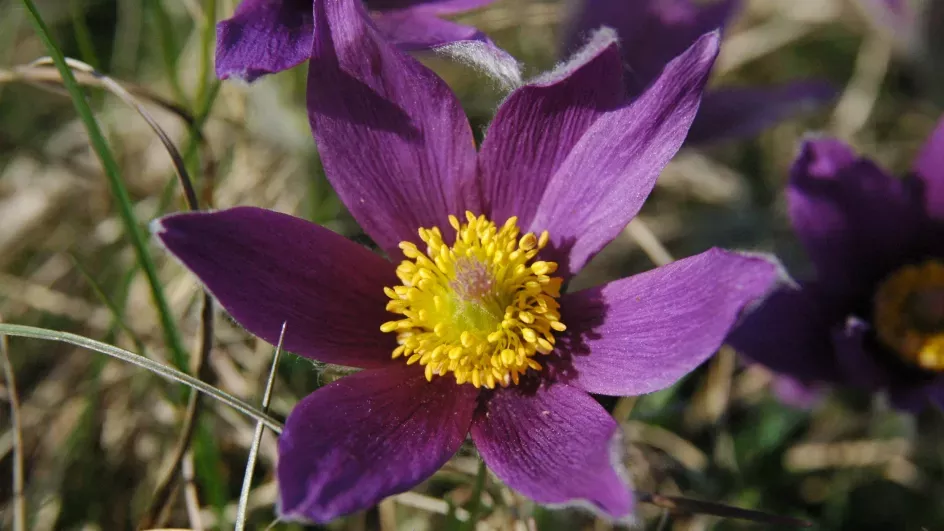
column 480, row 309
column 909, row 314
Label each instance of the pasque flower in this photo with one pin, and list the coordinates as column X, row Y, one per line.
column 268, row 36
column 872, row 316
column 465, row 328
column 654, row 31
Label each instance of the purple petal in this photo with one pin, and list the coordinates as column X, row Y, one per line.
column 856, row 221
column 745, row 111
column 796, row 393
column 415, row 24
column 935, row 392
column 652, row 32
column 367, row 436
column 857, row 362
column 394, row 140
column 555, row 445
column 929, row 167
column 262, row 37
column 858, row 359
column 899, row 7
column 538, row 125
column 790, row 333
column 609, row 173
column 643, row 333
column 268, row 268
column 897, row 17
column 414, row 29
column 439, row 7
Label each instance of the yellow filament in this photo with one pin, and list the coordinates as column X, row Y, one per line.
column 914, row 330
column 480, row 309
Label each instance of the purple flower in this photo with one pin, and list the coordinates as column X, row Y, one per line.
column 872, row 317
column 267, row 36
column 465, row 329
column 655, row 31
column 895, row 16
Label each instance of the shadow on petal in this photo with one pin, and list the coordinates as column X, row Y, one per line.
column 361, row 104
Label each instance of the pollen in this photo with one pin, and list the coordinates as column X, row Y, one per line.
column 909, row 314
column 481, row 309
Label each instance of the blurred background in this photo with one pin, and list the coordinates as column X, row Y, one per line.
column 99, row 435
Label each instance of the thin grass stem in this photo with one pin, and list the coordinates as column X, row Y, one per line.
column 243, row 506
column 690, row 506
column 159, row 369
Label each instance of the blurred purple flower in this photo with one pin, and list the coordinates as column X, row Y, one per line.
column 470, row 333
column 873, row 316
column 654, row 31
column 268, row 36
column 795, row 393
column 896, row 16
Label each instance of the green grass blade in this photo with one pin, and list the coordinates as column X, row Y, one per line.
column 135, row 233
column 207, row 41
column 159, row 369
column 169, row 48
column 83, row 34
column 208, row 462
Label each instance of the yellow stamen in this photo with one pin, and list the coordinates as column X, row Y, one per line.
column 480, row 308
column 909, row 314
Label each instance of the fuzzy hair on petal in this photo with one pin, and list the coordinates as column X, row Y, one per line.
column 485, row 57
column 598, row 40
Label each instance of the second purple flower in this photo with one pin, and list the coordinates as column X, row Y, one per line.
column 872, row 316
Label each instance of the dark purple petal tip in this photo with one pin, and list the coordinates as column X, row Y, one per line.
column 264, row 37
column 268, row 268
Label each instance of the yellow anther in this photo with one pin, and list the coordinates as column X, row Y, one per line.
column 480, row 309
column 543, row 268
column 529, row 335
column 528, row 242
